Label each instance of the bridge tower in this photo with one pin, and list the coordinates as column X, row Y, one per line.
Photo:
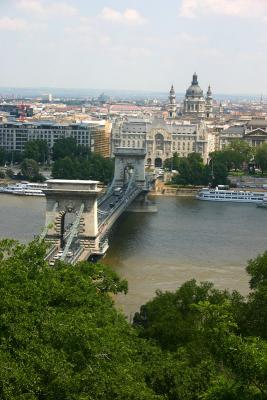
column 130, row 161
column 75, row 198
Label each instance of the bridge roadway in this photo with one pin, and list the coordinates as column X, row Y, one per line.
column 110, row 207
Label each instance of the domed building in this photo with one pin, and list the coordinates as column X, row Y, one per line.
column 194, row 102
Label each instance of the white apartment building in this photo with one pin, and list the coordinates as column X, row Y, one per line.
column 14, row 135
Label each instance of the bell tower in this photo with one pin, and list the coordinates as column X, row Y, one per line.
column 172, row 104
column 209, row 105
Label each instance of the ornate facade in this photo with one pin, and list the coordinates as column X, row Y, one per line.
column 161, row 139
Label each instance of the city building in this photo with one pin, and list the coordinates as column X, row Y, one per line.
column 162, row 139
column 14, row 135
column 253, row 132
column 256, row 132
column 16, row 110
column 101, row 137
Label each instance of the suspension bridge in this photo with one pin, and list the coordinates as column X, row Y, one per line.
column 79, row 215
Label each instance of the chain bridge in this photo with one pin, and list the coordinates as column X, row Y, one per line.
column 79, row 216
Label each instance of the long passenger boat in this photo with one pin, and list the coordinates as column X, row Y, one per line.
column 230, row 195
column 24, row 189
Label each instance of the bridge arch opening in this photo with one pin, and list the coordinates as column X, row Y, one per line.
column 127, row 173
column 158, row 162
column 67, row 219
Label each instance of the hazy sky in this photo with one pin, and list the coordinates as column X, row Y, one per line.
column 134, row 44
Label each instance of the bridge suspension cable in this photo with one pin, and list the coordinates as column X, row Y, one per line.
column 73, row 231
column 45, row 230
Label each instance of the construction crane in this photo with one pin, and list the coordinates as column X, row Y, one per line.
column 22, row 112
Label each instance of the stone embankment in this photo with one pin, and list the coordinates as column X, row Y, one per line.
column 167, row 190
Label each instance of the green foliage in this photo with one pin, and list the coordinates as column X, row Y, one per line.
column 241, row 152
column 60, row 336
column 256, row 313
column 30, row 170
column 73, row 161
column 172, row 163
column 10, row 156
column 36, row 150
column 205, row 342
column 9, row 173
column 93, row 167
column 234, row 155
column 219, row 174
column 192, row 171
column 68, row 147
column 261, row 157
column 2, row 156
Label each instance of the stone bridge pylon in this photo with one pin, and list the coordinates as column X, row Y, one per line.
column 71, row 204
column 130, row 161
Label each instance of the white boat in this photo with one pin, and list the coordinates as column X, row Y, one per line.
column 263, row 203
column 25, row 189
column 230, row 195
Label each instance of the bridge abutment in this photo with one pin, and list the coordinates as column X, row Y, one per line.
column 142, row 204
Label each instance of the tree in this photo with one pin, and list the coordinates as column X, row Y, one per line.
column 94, row 167
column 224, row 157
column 61, row 337
column 65, row 168
column 68, row 147
column 2, row 156
column 256, row 313
column 192, row 171
column 261, row 157
column 197, row 329
column 36, row 150
column 172, row 163
column 241, row 152
column 30, row 169
column 219, row 174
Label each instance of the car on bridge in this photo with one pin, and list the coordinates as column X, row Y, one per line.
column 117, row 191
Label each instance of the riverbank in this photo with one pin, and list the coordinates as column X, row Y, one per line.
column 162, row 189
column 175, row 192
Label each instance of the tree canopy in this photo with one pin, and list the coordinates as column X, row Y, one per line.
column 68, row 147
column 30, row 170
column 94, row 167
column 37, row 150
column 192, row 171
column 62, row 338
column 261, row 157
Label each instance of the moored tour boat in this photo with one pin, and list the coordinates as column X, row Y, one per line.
column 263, row 204
column 24, row 189
column 230, row 195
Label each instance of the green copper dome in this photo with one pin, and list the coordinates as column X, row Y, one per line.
column 194, row 90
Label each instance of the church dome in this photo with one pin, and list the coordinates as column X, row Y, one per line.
column 194, row 90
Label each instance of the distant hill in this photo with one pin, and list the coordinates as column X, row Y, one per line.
column 118, row 94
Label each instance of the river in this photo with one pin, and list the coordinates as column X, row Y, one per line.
column 185, row 239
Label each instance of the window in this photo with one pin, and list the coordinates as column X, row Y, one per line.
column 159, row 139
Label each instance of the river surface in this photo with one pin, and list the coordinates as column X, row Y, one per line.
column 185, row 239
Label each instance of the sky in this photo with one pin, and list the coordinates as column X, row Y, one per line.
column 134, row 44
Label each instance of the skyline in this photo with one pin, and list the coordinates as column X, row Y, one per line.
column 135, row 45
